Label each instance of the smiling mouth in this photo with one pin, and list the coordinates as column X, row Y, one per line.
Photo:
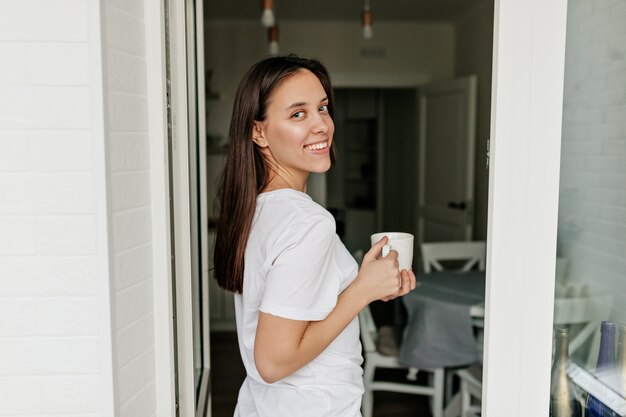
column 316, row 146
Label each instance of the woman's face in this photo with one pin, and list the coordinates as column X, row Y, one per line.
column 297, row 131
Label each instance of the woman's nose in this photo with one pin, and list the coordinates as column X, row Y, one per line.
column 320, row 124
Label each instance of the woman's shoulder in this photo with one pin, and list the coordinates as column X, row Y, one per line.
column 286, row 219
column 292, row 209
column 288, row 201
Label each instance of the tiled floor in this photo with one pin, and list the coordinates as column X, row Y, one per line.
column 228, row 373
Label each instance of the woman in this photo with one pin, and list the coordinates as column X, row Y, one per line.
column 299, row 293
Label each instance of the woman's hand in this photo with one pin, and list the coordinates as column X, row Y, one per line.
column 380, row 278
column 408, row 284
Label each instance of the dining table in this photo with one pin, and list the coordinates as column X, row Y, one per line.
column 444, row 316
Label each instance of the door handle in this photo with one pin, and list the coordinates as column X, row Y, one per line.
column 457, row 205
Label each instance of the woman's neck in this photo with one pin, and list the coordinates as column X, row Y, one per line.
column 276, row 182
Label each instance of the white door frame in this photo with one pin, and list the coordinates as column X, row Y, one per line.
column 164, row 314
column 204, row 395
column 527, row 97
column 181, row 205
column 529, row 49
column 165, row 384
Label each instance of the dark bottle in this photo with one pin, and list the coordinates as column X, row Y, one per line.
column 563, row 398
column 604, row 369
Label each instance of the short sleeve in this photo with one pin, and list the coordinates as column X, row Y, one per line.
column 303, row 281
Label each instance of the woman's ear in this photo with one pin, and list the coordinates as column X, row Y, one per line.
column 258, row 134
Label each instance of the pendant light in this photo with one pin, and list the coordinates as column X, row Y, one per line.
column 272, row 38
column 366, row 20
column 267, row 17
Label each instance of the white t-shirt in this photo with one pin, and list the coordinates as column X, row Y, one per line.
column 296, row 267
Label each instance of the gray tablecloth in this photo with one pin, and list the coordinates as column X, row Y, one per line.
column 439, row 330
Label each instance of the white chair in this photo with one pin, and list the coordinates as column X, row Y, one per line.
column 471, row 387
column 374, row 359
column 589, row 311
column 473, row 253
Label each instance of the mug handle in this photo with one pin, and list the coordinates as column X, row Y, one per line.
column 386, row 250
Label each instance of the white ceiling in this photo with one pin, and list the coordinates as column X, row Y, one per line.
column 389, row 10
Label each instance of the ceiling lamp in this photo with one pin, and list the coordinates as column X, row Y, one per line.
column 366, row 20
column 267, row 17
column 272, row 38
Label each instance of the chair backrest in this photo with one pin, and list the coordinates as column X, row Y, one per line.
column 369, row 333
column 472, row 252
column 589, row 311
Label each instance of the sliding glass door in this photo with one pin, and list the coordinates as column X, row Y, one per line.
column 187, row 151
column 557, row 212
column 591, row 237
column 198, row 204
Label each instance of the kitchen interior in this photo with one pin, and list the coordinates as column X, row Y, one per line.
column 377, row 81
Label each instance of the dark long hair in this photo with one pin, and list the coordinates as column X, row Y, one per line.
column 246, row 172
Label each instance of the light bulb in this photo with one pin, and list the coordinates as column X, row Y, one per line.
column 368, row 32
column 272, row 39
column 267, row 18
column 366, row 20
column 273, row 48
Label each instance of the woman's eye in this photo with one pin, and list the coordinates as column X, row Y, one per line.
column 323, row 108
column 298, row 115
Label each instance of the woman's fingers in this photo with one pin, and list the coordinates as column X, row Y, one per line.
column 412, row 283
column 407, row 278
column 375, row 250
column 382, row 276
column 406, row 282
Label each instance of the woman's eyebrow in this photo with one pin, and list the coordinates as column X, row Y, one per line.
column 302, row 103
column 298, row 104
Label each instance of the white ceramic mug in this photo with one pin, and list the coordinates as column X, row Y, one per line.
column 401, row 243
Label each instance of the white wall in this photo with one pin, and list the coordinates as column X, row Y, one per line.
column 592, row 201
column 76, row 290
column 54, row 334
column 413, row 53
column 128, row 174
column 473, row 55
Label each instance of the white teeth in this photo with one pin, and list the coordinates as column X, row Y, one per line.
column 316, row 146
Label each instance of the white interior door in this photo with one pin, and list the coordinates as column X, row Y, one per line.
column 447, row 130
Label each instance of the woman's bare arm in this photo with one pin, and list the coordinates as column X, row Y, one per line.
column 282, row 346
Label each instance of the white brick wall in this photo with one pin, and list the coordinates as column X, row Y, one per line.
column 53, row 356
column 50, row 336
column 128, row 174
column 592, row 207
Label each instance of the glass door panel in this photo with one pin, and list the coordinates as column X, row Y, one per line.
column 590, row 286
